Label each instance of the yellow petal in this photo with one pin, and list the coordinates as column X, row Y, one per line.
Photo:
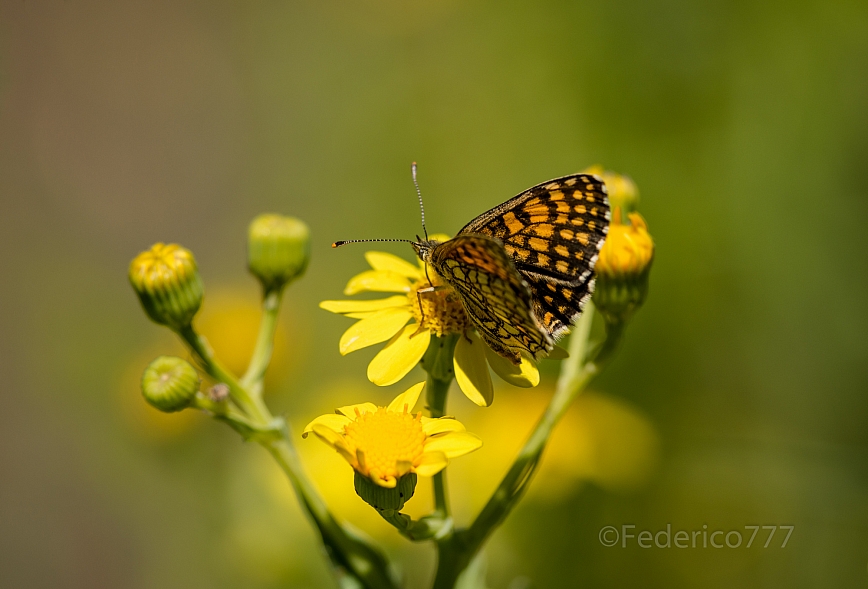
column 392, row 263
column 377, row 281
column 403, row 467
column 471, row 370
column 441, row 425
column 430, row 463
column 399, row 356
column 364, row 306
column 360, row 315
column 334, row 422
column 333, row 439
column 408, row 398
column 454, row 444
column 350, row 410
column 377, row 328
column 524, row 375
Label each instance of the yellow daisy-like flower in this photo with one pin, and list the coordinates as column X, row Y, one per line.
column 434, row 313
column 386, row 443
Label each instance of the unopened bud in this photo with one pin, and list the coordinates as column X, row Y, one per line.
column 386, row 501
column 168, row 284
column 623, row 268
column 278, row 250
column 170, row 383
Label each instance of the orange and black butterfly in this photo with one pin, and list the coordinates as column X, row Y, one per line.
column 525, row 269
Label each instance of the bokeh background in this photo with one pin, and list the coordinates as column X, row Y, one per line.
column 739, row 397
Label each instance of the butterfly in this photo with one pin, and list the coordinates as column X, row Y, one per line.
column 524, row 270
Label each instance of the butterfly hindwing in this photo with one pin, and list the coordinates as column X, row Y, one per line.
column 557, row 306
column 553, row 232
column 494, row 294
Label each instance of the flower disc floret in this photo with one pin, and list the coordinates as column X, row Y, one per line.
column 440, row 310
column 384, row 439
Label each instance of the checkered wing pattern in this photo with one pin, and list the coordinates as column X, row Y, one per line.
column 553, row 233
column 495, row 296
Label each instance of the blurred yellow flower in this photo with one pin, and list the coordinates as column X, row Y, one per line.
column 623, row 192
column 230, row 322
column 438, row 313
column 385, row 443
column 602, row 440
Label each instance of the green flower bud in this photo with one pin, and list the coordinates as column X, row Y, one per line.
column 386, row 501
column 168, row 284
column 278, row 249
column 170, row 383
column 623, row 268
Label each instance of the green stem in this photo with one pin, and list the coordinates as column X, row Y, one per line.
column 347, row 551
column 438, row 364
column 249, row 404
column 436, row 395
column 261, row 357
column 577, row 372
column 351, row 555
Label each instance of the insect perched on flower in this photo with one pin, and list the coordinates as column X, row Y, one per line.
column 524, row 270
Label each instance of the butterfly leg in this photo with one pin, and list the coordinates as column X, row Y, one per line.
column 419, row 293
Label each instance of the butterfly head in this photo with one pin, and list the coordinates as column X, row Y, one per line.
column 423, row 248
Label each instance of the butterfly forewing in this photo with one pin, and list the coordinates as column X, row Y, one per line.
column 494, row 294
column 553, row 232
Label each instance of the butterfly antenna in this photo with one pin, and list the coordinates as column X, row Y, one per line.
column 419, row 194
column 340, row 243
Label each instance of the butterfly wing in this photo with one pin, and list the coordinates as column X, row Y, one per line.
column 494, row 294
column 553, row 232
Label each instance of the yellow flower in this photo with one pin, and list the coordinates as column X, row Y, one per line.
column 434, row 313
column 623, row 268
column 629, row 248
column 386, row 443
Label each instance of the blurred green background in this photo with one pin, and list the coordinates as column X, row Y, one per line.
column 744, row 125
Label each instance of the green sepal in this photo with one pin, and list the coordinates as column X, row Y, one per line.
column 386, row 501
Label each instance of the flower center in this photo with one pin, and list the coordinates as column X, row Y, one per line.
column 385, row 438
column 440, row 310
